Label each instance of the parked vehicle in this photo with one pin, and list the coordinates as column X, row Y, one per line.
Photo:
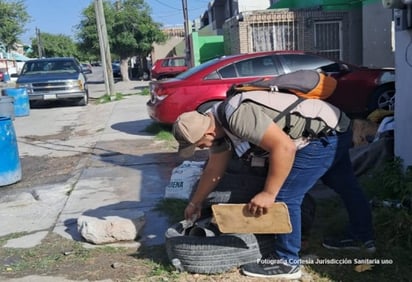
column 87, row 68
column 359, row 90
column 116, row 70
column 54, row 79
column 168, row 67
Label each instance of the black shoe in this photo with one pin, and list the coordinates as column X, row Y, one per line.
column 350, row 244
column 272, row 268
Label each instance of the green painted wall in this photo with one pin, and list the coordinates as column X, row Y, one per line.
column 296, row 4
column 325, row 4
column 206, row 47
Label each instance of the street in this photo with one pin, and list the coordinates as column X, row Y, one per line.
column 99, row 153
column 56, row 135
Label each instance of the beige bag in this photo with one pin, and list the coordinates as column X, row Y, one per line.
column 236, row 218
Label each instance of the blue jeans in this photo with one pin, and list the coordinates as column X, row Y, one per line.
column 327, row 159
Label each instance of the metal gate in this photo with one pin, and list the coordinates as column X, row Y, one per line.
column 272, row 31
column 328, row 39
column 286, row 30
column 275, row 36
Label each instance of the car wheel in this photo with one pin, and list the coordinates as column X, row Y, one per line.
column 383, row 98
column 84, row 100
column 215, row 254
column 205, row 107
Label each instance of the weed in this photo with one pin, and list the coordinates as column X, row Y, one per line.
column 145, row 92
column 4, row 239
column 161, row 131
column 391, row 191
column 392, row 182
column 172, row 208
column 393, row 227
column 109, row 98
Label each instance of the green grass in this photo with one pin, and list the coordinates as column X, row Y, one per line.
column 391, row 262
column 40, row 258
column 120, row 96
column 145, row 92
column 109, row 98
column 161, row 131
column 391, row 182
column 393, row 228
column 172, row 208
column 391, row 259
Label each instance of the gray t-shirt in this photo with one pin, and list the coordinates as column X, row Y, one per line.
column 249, row 121
column 260, row 117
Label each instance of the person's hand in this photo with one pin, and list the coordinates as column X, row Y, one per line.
column 192, row 212
column 260, row 203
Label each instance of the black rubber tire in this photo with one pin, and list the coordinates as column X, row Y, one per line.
column 216, row 254
column 221, row 253
column 83, row 101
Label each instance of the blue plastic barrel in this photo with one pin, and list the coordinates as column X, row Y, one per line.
column 21, row 100
column 7, row 107
column 6, row 77
column 10, row 168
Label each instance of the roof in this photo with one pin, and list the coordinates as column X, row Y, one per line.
column 19, row 57
column 54, row 59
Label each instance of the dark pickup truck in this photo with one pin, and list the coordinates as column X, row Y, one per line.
column 54, row 79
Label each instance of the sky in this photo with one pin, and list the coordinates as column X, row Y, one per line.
column 61, row 16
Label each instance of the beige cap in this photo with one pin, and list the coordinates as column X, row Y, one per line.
column 188, row 129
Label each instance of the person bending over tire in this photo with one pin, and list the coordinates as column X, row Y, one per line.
column 310, row 142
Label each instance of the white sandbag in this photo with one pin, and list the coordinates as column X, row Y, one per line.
column 184, row 178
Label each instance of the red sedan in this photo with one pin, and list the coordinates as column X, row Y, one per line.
column 359, row 91
column 168, row 67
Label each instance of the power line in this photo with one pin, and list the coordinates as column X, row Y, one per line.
column 166, row 5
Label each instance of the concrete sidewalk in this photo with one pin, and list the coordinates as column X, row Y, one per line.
column 125, row 172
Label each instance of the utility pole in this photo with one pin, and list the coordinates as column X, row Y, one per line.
column 104, row 48
column 39, row 43
column 187, row 35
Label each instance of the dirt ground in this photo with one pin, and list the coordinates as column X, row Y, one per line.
column 45, row 170
column 60, row 257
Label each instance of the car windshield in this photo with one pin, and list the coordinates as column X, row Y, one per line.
column 195, row 69
column 49, row 66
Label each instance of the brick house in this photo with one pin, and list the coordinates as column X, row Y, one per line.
column 345, row 32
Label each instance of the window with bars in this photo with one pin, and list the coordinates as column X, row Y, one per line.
column 328, row 39
column 273, row 36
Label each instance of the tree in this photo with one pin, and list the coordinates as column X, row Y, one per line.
column 13, row 17
column 131, row 31
column 56, row 45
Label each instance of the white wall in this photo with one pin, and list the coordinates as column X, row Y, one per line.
column 377, row 36
column 162, row 50
column 403, row 102
column 247, row 5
